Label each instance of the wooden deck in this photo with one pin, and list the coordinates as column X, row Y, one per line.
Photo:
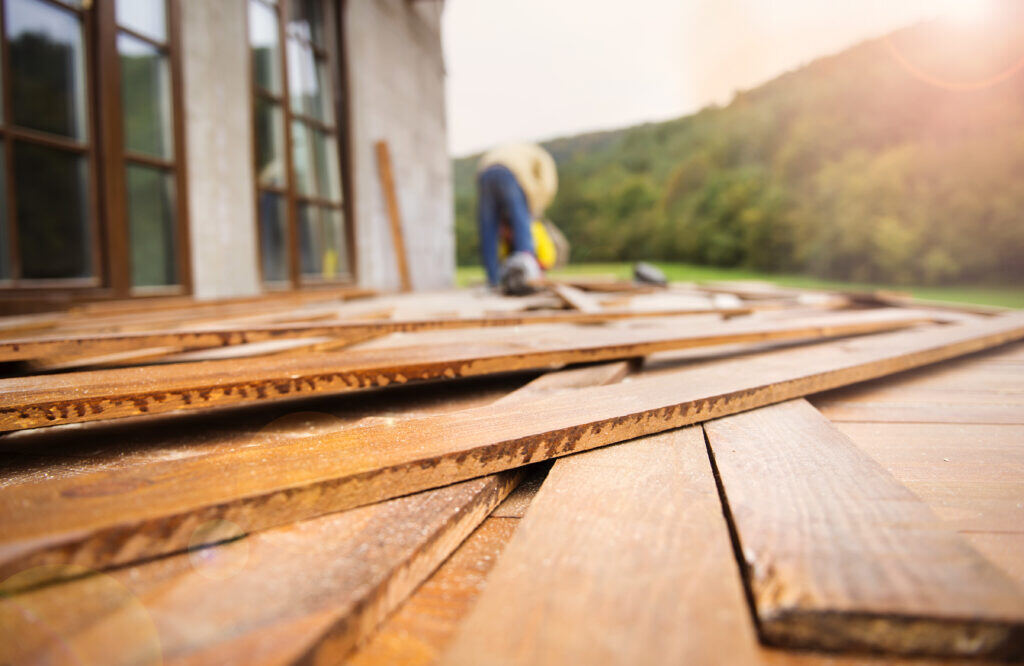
column 795, row 486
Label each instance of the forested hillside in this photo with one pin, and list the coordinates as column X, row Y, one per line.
column 898, row 160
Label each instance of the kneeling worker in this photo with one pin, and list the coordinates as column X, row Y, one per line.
column 515, row 184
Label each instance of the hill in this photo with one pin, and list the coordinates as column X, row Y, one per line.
column 897, row 160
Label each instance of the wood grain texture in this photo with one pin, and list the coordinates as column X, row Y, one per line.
column 117, row 515
column 30, row 402
column 253, row 601
column 840, row 556
column 423, row 627
column 225, row 441
column 387, row 186
column 305, row 592
column 76, row 344
column 972, row 476
column 623, row 558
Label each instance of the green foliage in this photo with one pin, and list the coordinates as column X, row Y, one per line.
column 852, row 168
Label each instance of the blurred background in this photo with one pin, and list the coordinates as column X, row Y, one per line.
column 864, row 143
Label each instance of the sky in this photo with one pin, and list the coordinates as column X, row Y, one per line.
column 535, row 69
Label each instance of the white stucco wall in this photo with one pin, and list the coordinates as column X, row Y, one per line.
column 396, row 87
column 218, row 125
column 396, row 90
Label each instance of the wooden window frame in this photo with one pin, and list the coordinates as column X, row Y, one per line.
column 107, row 160
column 337, row 63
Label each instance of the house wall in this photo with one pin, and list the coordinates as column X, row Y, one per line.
column 219, row 135
column 396, row 87
column 396, row 92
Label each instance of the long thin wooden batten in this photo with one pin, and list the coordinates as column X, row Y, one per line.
column 31, row 402
column 840, row 556
column 69, row 345
column 623, row 558
column 111, row 516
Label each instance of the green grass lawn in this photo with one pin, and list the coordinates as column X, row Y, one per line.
column 1012, row 297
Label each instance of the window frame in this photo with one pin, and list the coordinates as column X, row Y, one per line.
column 107, row 160
column 333, row 53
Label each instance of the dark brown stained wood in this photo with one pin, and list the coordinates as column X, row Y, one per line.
column 118, row 515
column 26, row 348
column 576, row 299
column 30, row 402
column 623, row 558
column 335, row 577
column 424, row 625
column 387, row 185
column 840, row 556
column 519, row 500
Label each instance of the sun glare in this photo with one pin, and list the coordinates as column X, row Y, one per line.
column 966, row 11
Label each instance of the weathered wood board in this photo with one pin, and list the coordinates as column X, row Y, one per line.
column 623, row 558
column 99, row 343
column 422, row 628
column 29, row 402
column 840, row 556
column 257, row 597
column 112, row 516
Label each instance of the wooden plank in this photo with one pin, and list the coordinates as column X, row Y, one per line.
column 30, row 402
column 215, row 605
column 423, row 627
column 254, row 598
column 387, row 185
column 227, row 439
column 919, row 411
column 519, row 500
column 576, row 299
column 76, row 345
column 840, row 556
column 108, row 516
column 972, row 476
column 623, row 558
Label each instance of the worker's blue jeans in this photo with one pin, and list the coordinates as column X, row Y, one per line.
column 500, row 200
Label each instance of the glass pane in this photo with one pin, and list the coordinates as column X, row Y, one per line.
column 146, row 17
column 306, row 20
column 145, row 98
column 321, row 242
column 335, row 220
column 273, row 237
column 47, row 61
column 52, row 213
column 151, row 226
column 328, row 176
column 266, row 49
column 302, row 159
column 310, row 240
column 5, row 248
column 269, row 142
column 322, row 103
column 309, row 83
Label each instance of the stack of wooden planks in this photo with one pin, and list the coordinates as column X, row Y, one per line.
column 597, row 474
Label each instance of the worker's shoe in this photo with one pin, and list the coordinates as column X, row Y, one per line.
column 520, row 274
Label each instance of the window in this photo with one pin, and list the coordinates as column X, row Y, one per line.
column 81, row 80
column 49, row 216
column 300, row 200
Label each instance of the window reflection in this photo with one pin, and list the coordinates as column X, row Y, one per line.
column 47, row 67
column 266, row 50
column 146, row 97
column 146, row 17
column 273, row 237
column 51, row 209
column 152, row 228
